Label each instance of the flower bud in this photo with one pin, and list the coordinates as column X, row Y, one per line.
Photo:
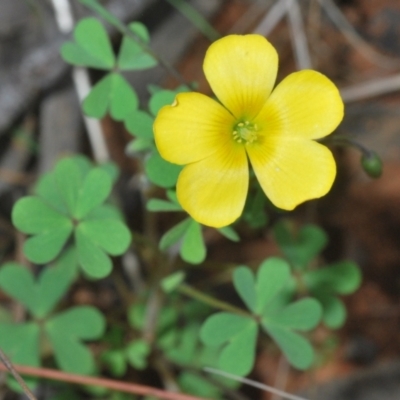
column 372, row 164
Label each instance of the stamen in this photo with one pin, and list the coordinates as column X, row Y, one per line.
column 245, row 132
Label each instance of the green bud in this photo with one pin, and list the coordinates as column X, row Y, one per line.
column 372, row 164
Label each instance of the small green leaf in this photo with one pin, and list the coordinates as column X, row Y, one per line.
column 132, row 56
column 68, row 178
column 92, row 47
column 31, row 215
column 20, row 342
column 46, row 246
column 222, row 326
column 229, row 233
column 296, row 348
column 300, row 247
column 342, row 278
column 140, row 124
column 137, row 353
column 238, row 356
column 174, row 234
column 334, row 311
column 111, row 169
column 67, row 330
column 160, row 99
column 115, row 360
column 94, row 191
column 111, row 235
column 39, row 296
column 302, row 315
column 193, row 249
column 171, row 282
column 160, row 172
column 136, row 146
column 157, row 205
column 273, row 274
column 46, row 189
column 105, row 211
column 93, row 260
column 243, row 280
column 112, row 92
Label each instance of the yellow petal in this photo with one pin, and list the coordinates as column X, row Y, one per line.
column 241, row 71
column 213, row 191
column 292, row 171
column 192, row 129
column 305, row 104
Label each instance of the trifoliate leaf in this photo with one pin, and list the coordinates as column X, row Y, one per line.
column 92, row 47
column 193, row 249
column 137, row 146
column 112, row 92
column 132, row 55
column 47, row 190
column 300, row 247
column 67, row 330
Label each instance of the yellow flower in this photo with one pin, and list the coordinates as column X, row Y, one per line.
column 275, row 130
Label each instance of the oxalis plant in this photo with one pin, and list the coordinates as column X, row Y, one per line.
column 231, row 164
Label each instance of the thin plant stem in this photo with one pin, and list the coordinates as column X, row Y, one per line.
column 8, row 365
column 255, row 384
column 102, row 382
column 346, row 142
column 213, row 302
column 186, row 9
column 123, row 29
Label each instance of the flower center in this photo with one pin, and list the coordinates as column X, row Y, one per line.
column 245, row 132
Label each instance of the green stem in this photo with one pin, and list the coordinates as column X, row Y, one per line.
column 196, row 19
column 123, row 29
column 213, row 302
column 346, row 142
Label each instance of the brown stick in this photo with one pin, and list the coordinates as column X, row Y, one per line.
column 106, row 383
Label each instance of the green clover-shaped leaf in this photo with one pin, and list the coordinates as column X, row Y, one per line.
column 92, row 47
column 67, row 330
column 70, row 199
column 238, row 335
column 39, row 295
column 300, row 247
column 137, row 353
column 326, row 283
column 192, row 248
column 50, row 228
column 161, row 172
column 132, row 56
column 113, row 92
